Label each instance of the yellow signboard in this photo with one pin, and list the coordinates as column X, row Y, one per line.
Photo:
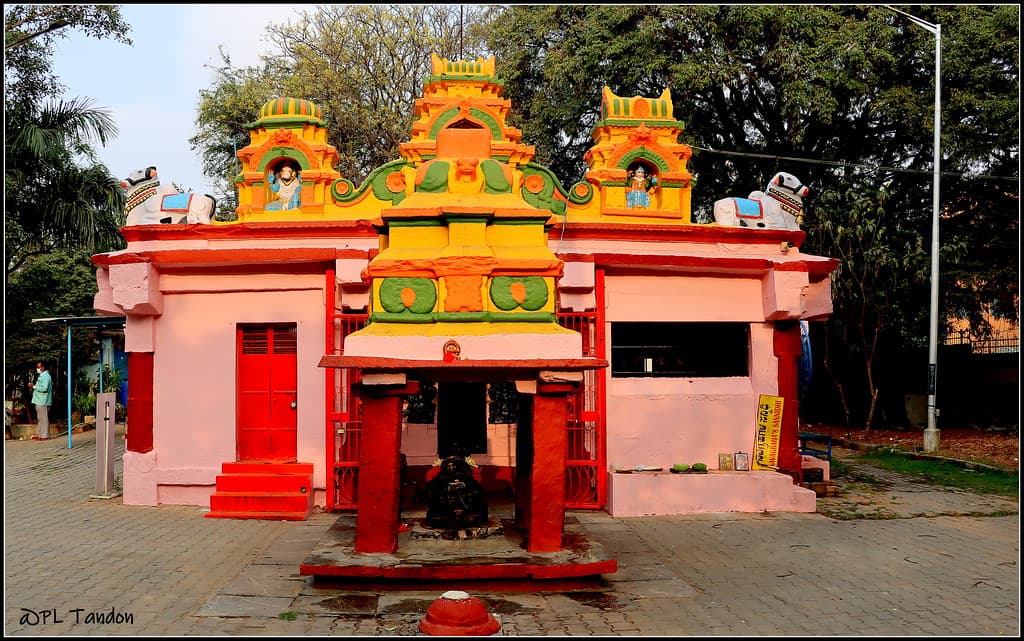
column 769, row 431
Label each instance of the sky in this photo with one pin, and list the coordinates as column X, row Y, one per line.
column 151, row 89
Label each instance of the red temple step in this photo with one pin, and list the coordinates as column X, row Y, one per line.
column 257, row 490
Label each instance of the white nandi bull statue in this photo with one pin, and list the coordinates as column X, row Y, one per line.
column 779, row 206
column 150, row 203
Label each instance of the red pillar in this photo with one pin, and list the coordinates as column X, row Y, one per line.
column 379, row 468
column 787, row 349
column 545, row 514
column 139, row 437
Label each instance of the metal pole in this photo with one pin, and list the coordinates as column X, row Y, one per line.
column 68, row 372
column 931, row 433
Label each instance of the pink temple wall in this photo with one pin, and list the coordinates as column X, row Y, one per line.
column 195, row 366
column 661, row 421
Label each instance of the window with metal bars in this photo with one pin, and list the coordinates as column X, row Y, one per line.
column 680, row 350
column 260, row 339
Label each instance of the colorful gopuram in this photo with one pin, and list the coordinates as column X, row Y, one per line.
column 275, row 355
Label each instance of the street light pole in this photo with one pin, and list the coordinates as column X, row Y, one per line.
column 931, row 433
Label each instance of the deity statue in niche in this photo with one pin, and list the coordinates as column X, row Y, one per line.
column 285, row 187
column 639, row 187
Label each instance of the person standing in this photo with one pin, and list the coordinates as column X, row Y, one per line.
column 42, row 398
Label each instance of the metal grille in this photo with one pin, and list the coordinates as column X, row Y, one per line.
column 585, row 482
column 255, row 340
column 343, row 409
column 285, row 340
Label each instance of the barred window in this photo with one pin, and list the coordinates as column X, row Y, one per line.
column 680, row 350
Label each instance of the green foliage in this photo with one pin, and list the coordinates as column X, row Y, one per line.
column 363, row 65
column 112, row 379
column 850, row 87
column 979, row 480
column 84, row 403
column 61, row 283
column 60, row 203
column 30, row 34
column 56, row 195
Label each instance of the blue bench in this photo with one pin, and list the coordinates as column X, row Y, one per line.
column 805, row 438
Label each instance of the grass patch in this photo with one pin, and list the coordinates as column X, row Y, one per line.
column 942, row 473
column 288, row 616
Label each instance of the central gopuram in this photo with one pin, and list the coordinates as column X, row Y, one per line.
column 463, row 291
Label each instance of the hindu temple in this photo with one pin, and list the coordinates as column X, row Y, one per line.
column 461, row 343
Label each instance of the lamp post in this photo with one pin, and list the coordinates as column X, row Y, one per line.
column 931, row 433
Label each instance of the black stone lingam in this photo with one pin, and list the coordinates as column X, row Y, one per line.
column 455, row 500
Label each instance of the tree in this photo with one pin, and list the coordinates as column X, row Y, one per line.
column 363, row 65
column 840, row 96
column 60, row 204
column 50, row 200
column 56, row 194
column 60, row 283
column 849, row 89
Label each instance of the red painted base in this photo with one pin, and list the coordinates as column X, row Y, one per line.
column 502, row 557
column 457, row 613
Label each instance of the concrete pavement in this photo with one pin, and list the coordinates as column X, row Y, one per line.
column 895, row 558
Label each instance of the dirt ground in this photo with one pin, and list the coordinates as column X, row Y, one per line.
column 1000, row 448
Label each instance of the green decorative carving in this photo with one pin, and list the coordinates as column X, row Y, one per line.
column 631, row 122
column 544, row 199
column 344, row 191
column 494, row 178
column 487, row 119
column 535, row 296
column 584, row 198
column 642, row 152
column 435, row 179
column 283, row 152
column 391, row 295
column 379, row 183
column 522, row 317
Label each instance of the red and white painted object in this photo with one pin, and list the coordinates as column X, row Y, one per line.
column 456, row 613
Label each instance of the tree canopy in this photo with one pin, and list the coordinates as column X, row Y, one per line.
column 840, row 96
column 60, row 203
column 362, row 64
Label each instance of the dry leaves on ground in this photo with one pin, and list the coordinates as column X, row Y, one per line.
column 1001, row 448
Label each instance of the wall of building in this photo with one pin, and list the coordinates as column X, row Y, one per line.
column 662, row 421
column 194, row 403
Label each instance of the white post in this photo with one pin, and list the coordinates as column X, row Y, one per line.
column 931, row 433
column 106, row 405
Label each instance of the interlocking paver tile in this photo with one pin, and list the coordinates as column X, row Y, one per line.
column 946, row 563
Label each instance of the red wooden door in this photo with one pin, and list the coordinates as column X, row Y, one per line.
column 267, row 393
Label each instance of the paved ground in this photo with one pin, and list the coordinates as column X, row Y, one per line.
column 922, row 562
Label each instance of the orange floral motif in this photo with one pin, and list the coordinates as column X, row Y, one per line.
column 534, row 184
column 395, row 182
column 408, row 296
column 518, row 291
